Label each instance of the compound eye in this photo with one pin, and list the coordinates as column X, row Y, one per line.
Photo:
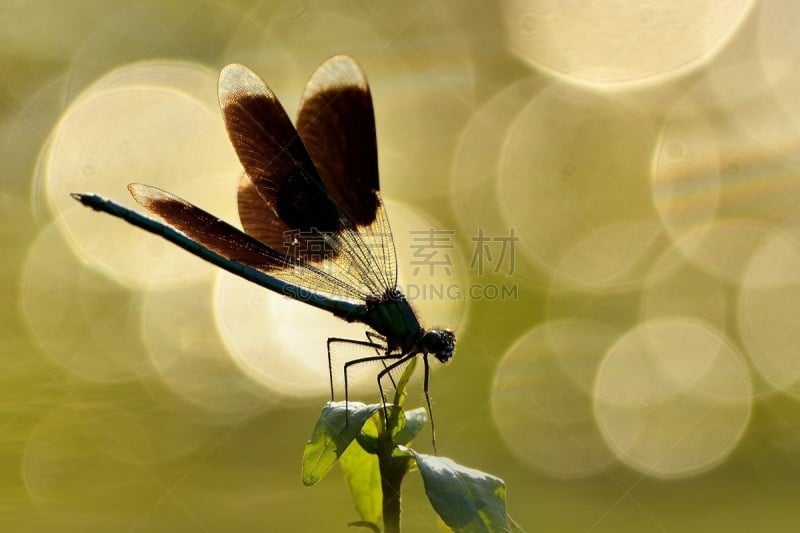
column 433, row 341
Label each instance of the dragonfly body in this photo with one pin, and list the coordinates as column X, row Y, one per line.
column 393, row 317
column 346, row 310
column 389, row 315
column 315, row 227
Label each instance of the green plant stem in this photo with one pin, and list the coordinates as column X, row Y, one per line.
column 392, row 470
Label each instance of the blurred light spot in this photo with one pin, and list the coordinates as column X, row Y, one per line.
column 675, row 287
column 85, row 459
column 267, row 41
column 776, row 261
column 620, row 42
column 672, row 398
column 17, row 232
column 431, row 273
column 742, row 153
column 735, row 179
column 777, row 20
column 541, row 397
column 418, row 120
column 82, row 321
column 619, row 308
column 686, row 170
column 572, row 164
column 178, row 328
column 281, row 343
column 732, row 86
column 278, row 342
column 139, row 124
column 779, row 53
column 755, row 121
column 24, row 133
column 611, row 257
column 767, row 312
column 128, row 32
column 724, row 248
column 473, row 176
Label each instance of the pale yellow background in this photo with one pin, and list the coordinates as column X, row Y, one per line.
column 641, row 374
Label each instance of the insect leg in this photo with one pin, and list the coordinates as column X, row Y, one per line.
column 378, row 338
column 382, row 358
column 340, row 340
column 375, row 337
column 428, row 400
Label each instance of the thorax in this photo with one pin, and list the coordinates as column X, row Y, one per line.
column 393, row 317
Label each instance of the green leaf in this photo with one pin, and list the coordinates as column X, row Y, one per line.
column 402, row 451
column 366, row 525
column 368, row 436
column 363, row 477
column 466, row 499
column 400, row 393
column 441, row 527
column 414, row 422
column 332, row 435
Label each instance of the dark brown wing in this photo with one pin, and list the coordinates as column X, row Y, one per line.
column 284, row 201
column 336, row 121
column 337, row 124
column 208, row 230
column 287, row 203
column 234, row 244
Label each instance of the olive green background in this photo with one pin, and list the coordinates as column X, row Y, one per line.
column 487, row 118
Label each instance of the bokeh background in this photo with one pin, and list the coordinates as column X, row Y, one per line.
column 601, row 198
